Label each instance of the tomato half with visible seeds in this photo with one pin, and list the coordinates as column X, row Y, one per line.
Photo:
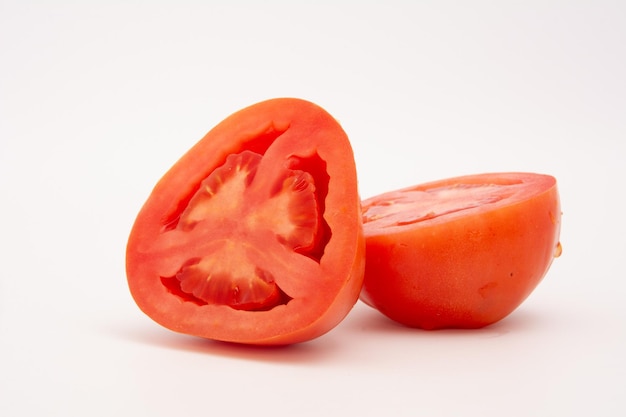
column 254, row 235
column 462, row 252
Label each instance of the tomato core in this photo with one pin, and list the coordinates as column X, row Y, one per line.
column 229, row 208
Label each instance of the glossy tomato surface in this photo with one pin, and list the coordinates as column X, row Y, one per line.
column 255, row 234
column 462, row 252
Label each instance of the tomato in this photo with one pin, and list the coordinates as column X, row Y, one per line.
column 461, row 252
column 255, row 234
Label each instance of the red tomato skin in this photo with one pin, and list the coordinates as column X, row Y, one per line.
column 333, row 285
column 469, row 270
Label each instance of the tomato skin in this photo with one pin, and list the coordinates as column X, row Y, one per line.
column 321, row 291
column 467, row 269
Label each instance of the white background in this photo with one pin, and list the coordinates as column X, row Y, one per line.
column 98, row 99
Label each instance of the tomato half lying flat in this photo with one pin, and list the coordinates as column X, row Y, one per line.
column 462, row 252
column 255, row 235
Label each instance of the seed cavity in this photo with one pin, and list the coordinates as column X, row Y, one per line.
column 232, row 216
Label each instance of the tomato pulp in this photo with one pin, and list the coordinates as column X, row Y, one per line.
column 462, row 252
column 255, row 234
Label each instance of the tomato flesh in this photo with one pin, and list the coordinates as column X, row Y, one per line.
column 412, row 206
column 225, row 202
column 253, row 236
column 462, row 252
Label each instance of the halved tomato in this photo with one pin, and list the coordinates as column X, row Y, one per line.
column 462, row 252
column 255, row 235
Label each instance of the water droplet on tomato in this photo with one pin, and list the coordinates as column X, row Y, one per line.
column 235, row 294
column 558, row 250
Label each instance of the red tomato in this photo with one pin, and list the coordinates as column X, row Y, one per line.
column 255, row 235
column 462, row 252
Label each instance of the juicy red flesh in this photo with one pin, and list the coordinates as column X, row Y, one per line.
column 228, row 207
column 407, row 207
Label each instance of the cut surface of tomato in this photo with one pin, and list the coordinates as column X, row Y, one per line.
column 253, row 236
column 461, row 252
